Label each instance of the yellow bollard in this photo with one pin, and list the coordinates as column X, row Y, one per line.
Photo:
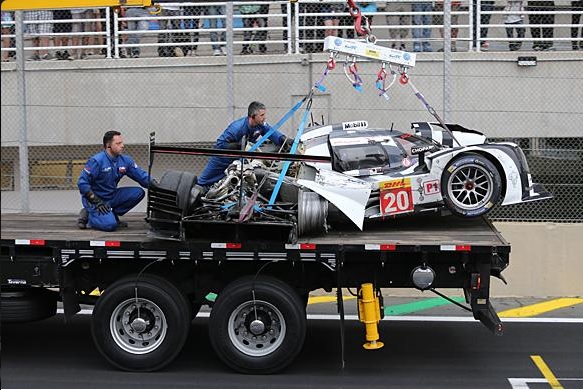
column 369, row 314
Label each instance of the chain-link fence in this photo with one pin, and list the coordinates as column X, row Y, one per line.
column 54, row 113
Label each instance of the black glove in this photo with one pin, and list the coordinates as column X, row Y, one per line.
column 287, row 145
column 100, row 206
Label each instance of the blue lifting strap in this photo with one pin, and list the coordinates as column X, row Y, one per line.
column 292, row 151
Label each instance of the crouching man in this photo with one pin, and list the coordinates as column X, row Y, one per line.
column 102, row 201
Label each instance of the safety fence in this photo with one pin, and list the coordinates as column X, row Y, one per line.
column 55, row 113
column 279, row 27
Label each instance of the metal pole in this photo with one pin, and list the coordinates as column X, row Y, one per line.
column 21, row 93
column 230, row 62
column 446, row 60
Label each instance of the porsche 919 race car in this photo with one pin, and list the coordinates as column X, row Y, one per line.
column 367, row 174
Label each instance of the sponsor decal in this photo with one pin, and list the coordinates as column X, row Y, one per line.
column 122, row 170
column 338, row 41
column 431, row 187
column 406, row 162
column 396, row 197
column 354, row 125
column 421, row 149
column 372, row 53
column 106, row 169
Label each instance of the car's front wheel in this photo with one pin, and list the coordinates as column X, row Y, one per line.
column 471, row 186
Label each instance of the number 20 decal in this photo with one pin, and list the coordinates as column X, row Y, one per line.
column 396, row 196
column 396, row 201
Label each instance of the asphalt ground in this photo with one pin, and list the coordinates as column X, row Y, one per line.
column 429, row 344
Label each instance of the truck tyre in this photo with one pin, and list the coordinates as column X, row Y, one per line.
column 28, row 304
column 258, row 334
column 471, row 186
column 141, row 331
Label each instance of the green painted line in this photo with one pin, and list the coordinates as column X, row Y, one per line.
column 211, row 297
column 406, row 308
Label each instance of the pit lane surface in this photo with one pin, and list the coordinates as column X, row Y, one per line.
column 417, row 354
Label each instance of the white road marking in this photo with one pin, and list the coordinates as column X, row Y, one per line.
column 354, row 317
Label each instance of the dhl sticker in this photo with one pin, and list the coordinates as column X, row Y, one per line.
column 394, row 184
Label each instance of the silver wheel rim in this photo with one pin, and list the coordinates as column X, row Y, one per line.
column 138, row 326
column 256, row 329
column 470, row 187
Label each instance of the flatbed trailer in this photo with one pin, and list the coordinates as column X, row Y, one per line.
column 150, row 289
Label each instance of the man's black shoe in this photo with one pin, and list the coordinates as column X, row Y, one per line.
column 122, row 224
column 83, row 219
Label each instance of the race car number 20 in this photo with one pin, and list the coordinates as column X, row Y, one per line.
column 396, row 197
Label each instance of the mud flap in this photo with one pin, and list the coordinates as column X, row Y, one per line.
column 477, row 291
column 70, row 303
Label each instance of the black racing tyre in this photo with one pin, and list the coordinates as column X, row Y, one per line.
column 261, row 335
column 28, row 304
column 144, row 334
column 180, row 182
column 471, row 186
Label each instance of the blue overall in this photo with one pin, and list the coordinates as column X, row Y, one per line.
column 215, row 168
column 101, row 176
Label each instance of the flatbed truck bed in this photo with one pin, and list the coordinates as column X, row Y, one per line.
column 407, row 231
column 150, row 288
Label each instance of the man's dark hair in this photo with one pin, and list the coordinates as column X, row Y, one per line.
column 108, row 136
column 254, row 108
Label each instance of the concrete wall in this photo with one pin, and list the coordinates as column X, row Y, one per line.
column 186, row 99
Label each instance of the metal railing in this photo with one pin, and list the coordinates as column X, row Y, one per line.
column 280, row 27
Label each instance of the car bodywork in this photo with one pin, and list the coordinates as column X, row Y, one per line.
column 362, row 174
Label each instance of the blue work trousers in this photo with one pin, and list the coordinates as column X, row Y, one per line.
column 124, row 199
column 214, row 170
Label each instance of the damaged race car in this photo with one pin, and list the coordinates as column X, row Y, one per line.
column 350, row 174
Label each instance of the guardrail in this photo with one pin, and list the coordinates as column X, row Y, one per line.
column 281, row 27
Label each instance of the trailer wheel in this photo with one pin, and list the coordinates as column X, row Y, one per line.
column 260, row 333
column 28, row 304
column 141, row 331
column 471, row 186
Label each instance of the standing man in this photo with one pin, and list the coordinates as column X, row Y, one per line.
column 103, row 202
column 252, row 126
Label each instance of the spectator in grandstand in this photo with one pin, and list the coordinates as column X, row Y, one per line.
column 40, row 32
column 248, row 128
column 514, row 21
column 256, row 23
column 332, row 20
column 79, row 28
column 421, row 36
column 546, row 33
column 136, row 25
column 486, row 6
column 397, row 34
column 103, row 202
column 307, row 31
column 438, row 19
column 165, row 37
column 191, row 21
column 7, row 20
column 577, row 32
column 347, row 20
column 63, row 28
column 215, row 11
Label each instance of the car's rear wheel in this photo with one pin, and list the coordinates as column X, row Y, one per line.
column 471, row 186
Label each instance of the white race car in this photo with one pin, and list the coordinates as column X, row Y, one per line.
column 383, row 173
column 349, row 172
